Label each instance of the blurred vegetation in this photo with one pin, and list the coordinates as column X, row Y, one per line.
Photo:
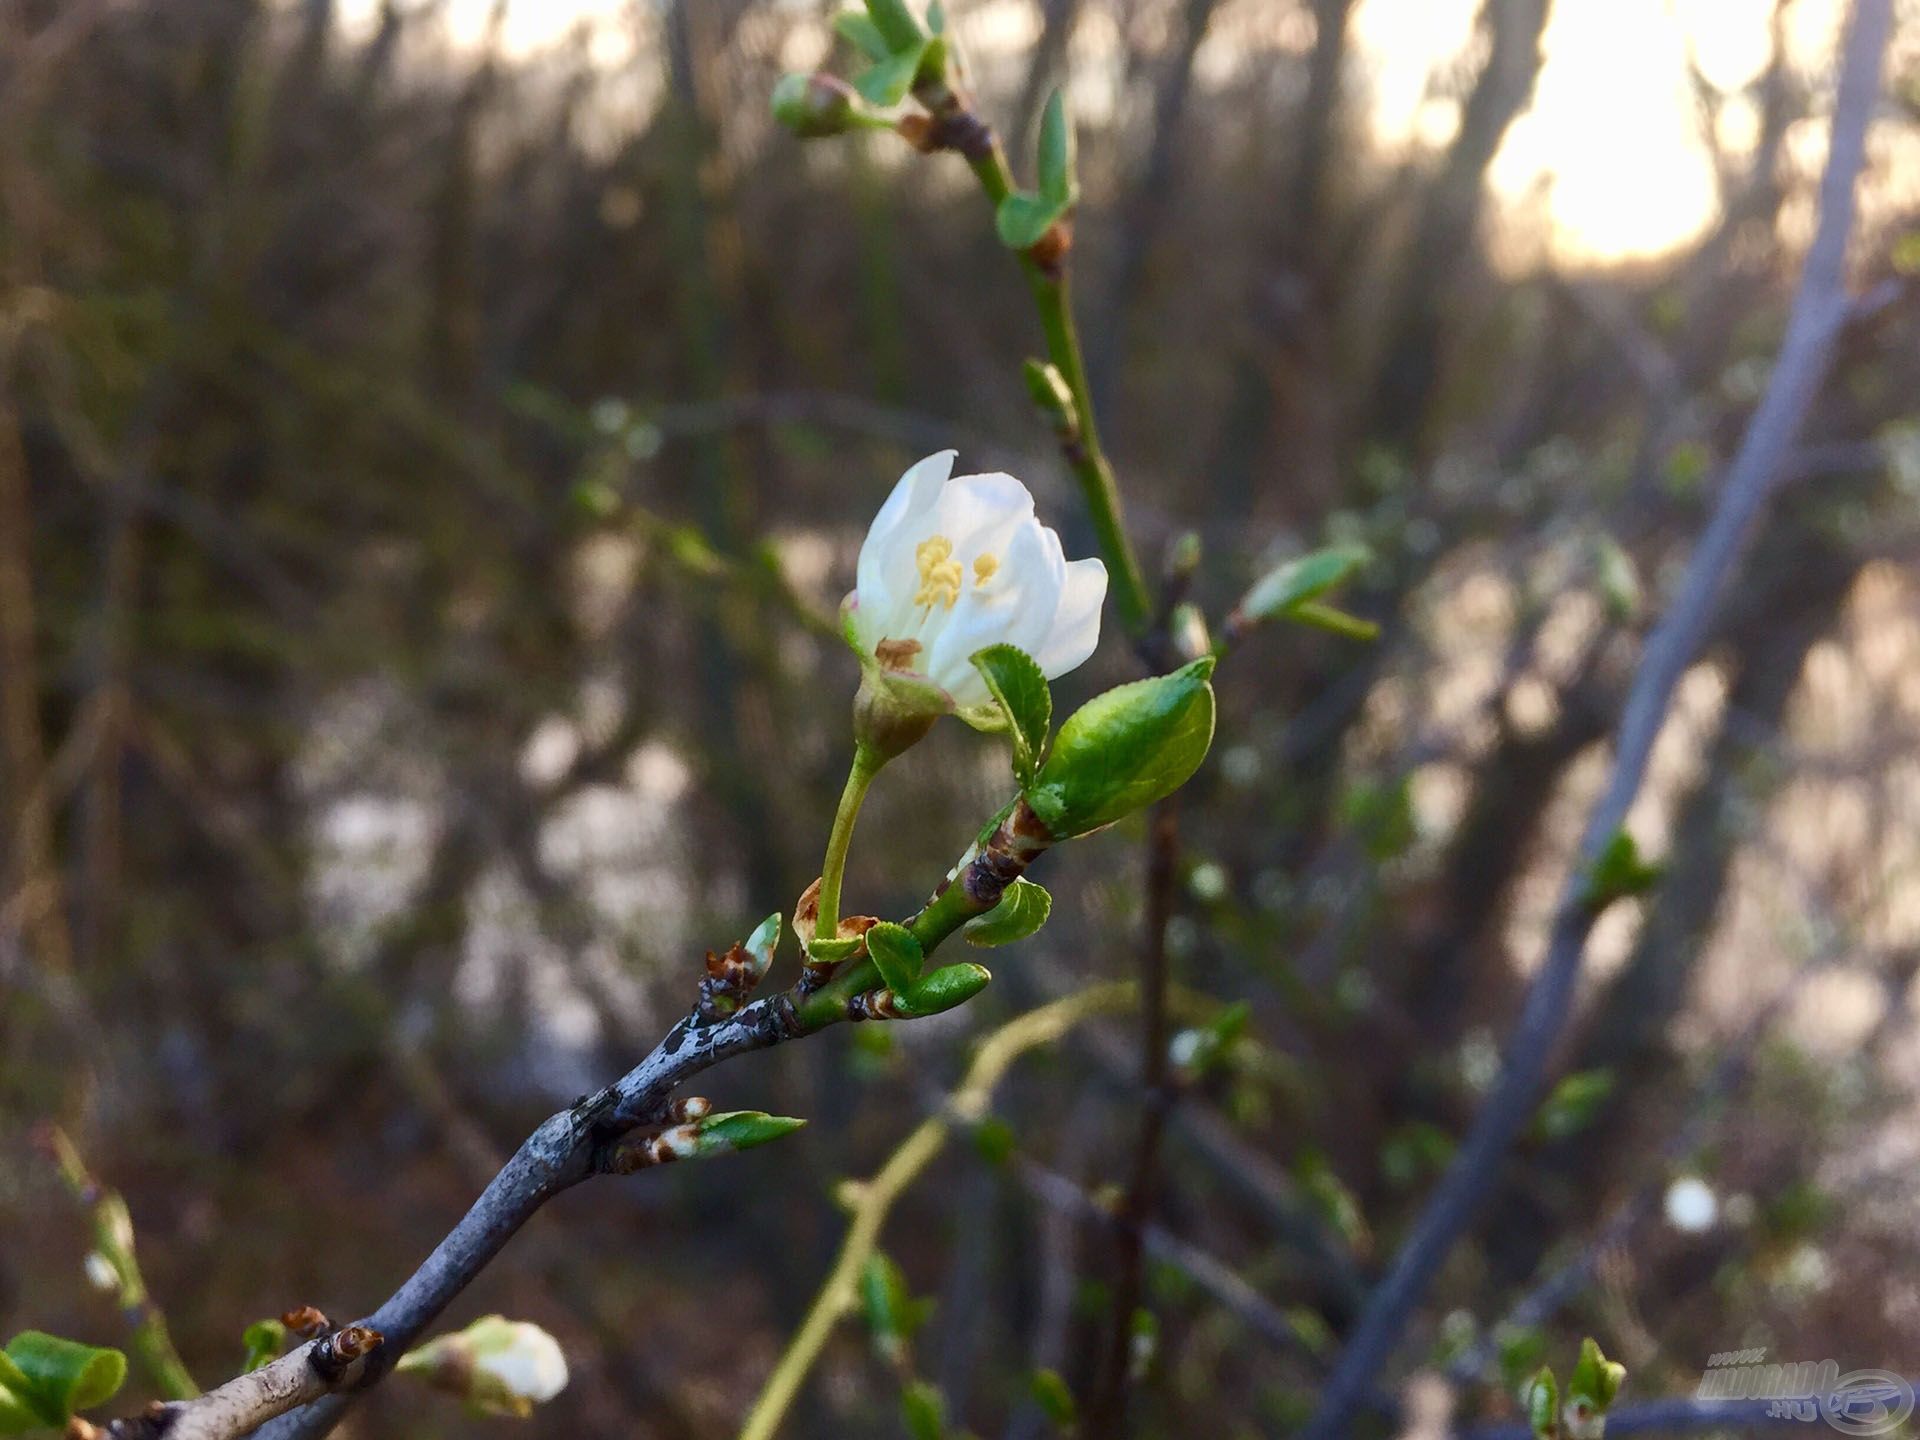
column 424, row 477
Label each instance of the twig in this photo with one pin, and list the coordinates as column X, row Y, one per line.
column 876, row 1197
column 1107, row 1414
column 585, row 1139
column 241, row 1406
column 1655, row 1417
column 1211, row 1274
column 1820, row 308
column 113, row 1240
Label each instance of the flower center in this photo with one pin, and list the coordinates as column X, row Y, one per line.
column 940, row 573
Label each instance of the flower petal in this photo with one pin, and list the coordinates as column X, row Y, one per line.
column 1015, row 606
column 885, row 579
column 1076, row 624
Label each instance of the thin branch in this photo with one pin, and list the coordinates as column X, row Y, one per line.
column 113, row 1240
column 1820, row 308
column 241, row 1406
column 877, row 1196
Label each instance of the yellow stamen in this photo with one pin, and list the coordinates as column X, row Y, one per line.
column 940, row 575
column 985, row 566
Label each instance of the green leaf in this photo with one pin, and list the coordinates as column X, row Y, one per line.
column 886, row 82
column 993, row 1139
column 1024, row 217
column 1543, row 1405
column 1288, row 586
column 924, row 1409
column 1020, row 690
column 1619, row 578
column 762, row 943
column 46, row 1379
column 1596, row 1380
column 831, row 952
column 1337, row 622
column 1618, row 873
column 945, row 988
column 1199, row 1050
column 893, row 1315
column 1057, row 181
column 741, row 1130
column 1050, row 1393
column 859, row 31
column 896, row 24
column 1574, row 1104
column 1123, row 750
column 897, row 954
column 263, row 1340
column 1022, row 910
column 1049, row 393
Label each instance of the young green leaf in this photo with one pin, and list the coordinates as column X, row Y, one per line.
column 1051, row 1394
column 47, row 1379
column 945, row 988
column 741, row 1130
column 1334, row 622
column 1023, row 909
column 1543, row 1405
column 858, row 30
column 1049, row 393
column 886, row 82
column 1288, row 586
column 1618, row 873
column 831, row 952
column 264, row 1340
column 924, row 1409
column 1596, row 1380
column 897, row 954
column 1123, row 750
column 1574, row 1104
column 1020, row 690
column 1058, row 184
column 895, row 22
column 1023, row 218
column 762, row 943
column 1619, row 578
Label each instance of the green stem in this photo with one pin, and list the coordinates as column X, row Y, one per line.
column 1084, row 453
column 113, row 1239
column 839, row 1292
column 866, row 764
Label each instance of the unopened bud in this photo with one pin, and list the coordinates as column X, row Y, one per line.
column 816, row 106
column 498, row 1366
column 1123, row 750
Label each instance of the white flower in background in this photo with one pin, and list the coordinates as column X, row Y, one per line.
column 1691, row 1205
column 951, row 566
column 497, row 1365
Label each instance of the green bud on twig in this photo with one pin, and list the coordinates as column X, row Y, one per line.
column 1123, row 750
column 1543, row 1405
column 817, row 106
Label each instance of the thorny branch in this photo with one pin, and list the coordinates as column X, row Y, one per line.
column 1821, row 307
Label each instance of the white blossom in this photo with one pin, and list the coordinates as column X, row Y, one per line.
column 953, row 565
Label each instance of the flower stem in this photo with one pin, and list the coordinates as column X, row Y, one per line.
column 1083, row 452
column 866, row 764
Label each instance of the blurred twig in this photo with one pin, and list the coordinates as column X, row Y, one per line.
column 874, row 1199
column 1820, row 308
column 113, row 1241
